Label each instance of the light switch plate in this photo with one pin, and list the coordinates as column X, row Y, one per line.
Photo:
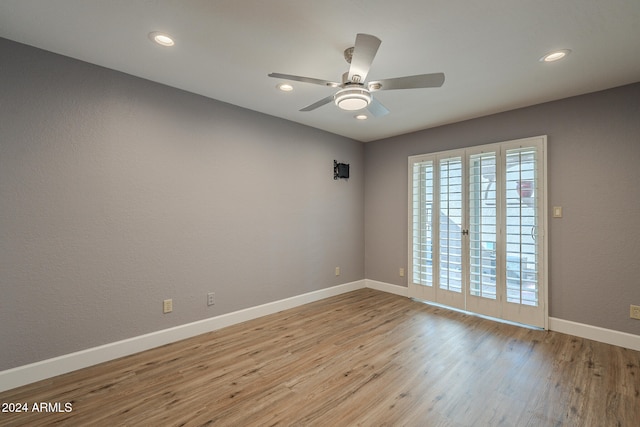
column 557, row 211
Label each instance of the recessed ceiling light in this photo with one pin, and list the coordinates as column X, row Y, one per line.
column 556, row 55
column 361, row 117
column 285, row 87
column 162, row 39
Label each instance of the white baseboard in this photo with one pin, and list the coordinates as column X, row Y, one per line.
column 27, row 374
column 595, row 333
column 387, row 287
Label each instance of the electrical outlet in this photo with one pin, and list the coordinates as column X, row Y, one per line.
column 634, row 312
column 211, row 298
column 337, row 271
column 167, row 306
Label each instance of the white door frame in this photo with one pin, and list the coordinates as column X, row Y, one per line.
column 536, row 316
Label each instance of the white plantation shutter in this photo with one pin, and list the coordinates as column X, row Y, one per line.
column 422, row 212
column 483, row 224
column 451, row 224
column 521, row 195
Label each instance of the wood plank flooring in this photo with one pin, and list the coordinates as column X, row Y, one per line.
column 365, row 358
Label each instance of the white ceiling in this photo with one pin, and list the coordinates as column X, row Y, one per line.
column 489, row 50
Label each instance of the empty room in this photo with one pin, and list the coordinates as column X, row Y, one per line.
column 336, row 213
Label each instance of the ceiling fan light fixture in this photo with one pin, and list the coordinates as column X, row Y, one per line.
column 352, row 99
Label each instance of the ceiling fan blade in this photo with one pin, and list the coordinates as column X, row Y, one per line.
column 317, row 104
column 304, row 79
column 363, row 53
column 409, row 82
column 377, row 109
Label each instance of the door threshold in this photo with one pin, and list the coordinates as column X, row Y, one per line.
column 483, row 316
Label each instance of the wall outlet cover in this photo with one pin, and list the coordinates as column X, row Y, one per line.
column 167, row 306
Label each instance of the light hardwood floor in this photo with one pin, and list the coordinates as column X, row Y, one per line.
column 365, row 358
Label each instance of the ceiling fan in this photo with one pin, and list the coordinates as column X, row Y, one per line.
column 355, row 92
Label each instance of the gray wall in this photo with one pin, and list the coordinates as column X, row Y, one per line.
column 593, row 172
column 116, row 193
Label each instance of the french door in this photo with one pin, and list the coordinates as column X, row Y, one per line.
column 477, row 223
